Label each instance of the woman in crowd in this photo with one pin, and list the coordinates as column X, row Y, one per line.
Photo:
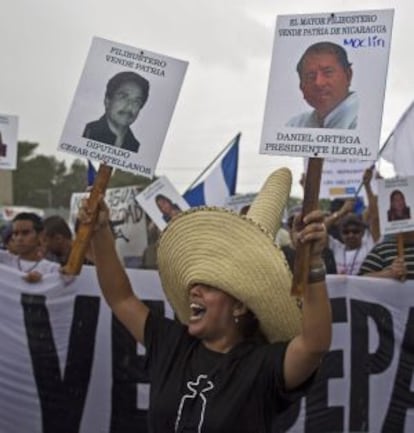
column 398, row 208
column 166, row 207
column 244, row 350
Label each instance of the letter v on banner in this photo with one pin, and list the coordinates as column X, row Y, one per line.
column 220, row 183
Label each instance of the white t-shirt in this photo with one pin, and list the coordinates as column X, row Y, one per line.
column 42, row 266
column 343, row 116
column 349, row 261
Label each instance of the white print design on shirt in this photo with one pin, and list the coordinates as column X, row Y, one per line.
column 196, row 389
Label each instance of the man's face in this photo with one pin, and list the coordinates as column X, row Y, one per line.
column 324, row 82
column 164, row 206
column 123, row 107
column 352, row 236
column 26, row 240
column 53, row 244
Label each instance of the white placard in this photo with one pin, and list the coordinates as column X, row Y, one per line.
column 161, row 201
column 240, row 203
column 395, row 204
column 342, row 117
column 123, row 106
column 8, row 141
column 343, row 177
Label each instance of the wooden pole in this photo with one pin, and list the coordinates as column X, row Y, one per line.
column 400, row 249
column 310, row 203
column 84, row 233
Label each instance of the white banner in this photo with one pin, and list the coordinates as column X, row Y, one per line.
column 67, row 366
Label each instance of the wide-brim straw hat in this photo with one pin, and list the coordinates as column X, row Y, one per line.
column 236, row 254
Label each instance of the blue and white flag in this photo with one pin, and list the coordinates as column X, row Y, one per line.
column 91, row 174
column 220, row 183
column 399, row 148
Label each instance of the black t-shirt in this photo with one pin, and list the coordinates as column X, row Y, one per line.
column 196, row 390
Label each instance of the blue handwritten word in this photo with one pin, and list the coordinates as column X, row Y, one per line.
column 370, row 41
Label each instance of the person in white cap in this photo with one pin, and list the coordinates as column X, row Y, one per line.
column 244, row 350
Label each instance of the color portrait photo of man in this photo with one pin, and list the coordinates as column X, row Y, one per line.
column 325, row 76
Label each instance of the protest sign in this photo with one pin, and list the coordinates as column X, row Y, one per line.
column 161, row 201
column 127, row 220
column 395, row 204
column 240, row 203
column 342, row 177
column 8, row 141
column 122, row 106
column 329, row 102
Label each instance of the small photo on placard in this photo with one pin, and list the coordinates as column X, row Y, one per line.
column 395, row 203
column 162, row 202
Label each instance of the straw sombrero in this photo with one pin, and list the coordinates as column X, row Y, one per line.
column 236, row 254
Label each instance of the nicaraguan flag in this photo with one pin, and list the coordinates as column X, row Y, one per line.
column 220, row 183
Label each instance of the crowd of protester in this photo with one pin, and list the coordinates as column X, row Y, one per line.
column 35, row 246
column 356, row 246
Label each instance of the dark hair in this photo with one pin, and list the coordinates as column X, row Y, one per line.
column 244, row 209
column 30, row 216
column 392, row 214
column 325, row 47
column 127, row 77
column 336, row 204
column 163, row 197
column 397, row 192
column 250, row 328
column 56, row 225
column 352, row 220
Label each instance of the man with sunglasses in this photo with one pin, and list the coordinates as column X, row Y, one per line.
column 27, row 230
column 356, row 243
column 357, row 234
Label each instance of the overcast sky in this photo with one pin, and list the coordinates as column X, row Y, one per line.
column 228, row 45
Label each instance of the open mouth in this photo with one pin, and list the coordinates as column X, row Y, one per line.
column 197, row 311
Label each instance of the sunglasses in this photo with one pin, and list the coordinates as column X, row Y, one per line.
column 351, row 231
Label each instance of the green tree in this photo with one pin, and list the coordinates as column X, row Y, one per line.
column 74, row 180
column 123, row 178
column 35, row 177
column 43, row 181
